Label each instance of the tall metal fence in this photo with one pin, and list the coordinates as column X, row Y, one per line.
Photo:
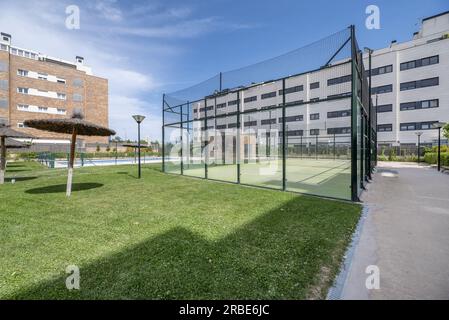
column 300, row 122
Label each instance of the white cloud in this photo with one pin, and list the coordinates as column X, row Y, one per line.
column 127, row 81
column 184, row 29
column 108, row 10
column 121, row 109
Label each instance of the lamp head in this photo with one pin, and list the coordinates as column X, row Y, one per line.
column 138, row 118
column 438, row 125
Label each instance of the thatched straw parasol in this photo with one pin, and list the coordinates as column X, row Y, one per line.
column 74, row 126
column 14, row 144
column 7, row 132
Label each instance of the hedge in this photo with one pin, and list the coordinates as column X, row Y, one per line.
column 431, row 158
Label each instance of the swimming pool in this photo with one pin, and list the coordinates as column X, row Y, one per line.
column 107, row 162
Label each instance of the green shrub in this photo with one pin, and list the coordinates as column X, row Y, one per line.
column 431, row 158
column 392, row 155
column 434, row 149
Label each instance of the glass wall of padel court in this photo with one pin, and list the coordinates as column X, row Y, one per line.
column 300, row 122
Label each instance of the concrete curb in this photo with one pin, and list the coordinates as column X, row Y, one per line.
column 335, row 292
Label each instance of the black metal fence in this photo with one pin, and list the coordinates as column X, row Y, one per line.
column 301, row 122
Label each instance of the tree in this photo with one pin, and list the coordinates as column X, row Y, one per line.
column 446, row 130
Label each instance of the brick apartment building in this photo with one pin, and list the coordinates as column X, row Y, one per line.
column 35, row 86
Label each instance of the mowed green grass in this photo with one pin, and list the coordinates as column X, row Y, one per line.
column 164, row 237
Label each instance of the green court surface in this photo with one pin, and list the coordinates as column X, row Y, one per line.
column 323, row 177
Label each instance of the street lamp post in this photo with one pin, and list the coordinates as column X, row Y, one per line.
column 439, row 125
column 419, row 134
column 139, row 119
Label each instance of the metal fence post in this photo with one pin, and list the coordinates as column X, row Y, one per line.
column 354, row 106
column 182, row 140
column 163, row 133
column 205, row 149
column 238, row 137
column 284, row 146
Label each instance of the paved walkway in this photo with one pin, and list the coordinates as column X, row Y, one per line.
column 405, row 234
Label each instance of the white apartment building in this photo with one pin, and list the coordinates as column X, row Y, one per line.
column 410, row 84
column 410, row 91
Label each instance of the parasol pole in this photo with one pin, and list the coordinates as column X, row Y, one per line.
column 3, row 160
column 71, row 161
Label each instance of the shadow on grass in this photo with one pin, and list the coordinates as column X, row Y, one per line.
column 14, row 165
column 279, row 256
column 59, row 188
column 16, row 170
column 18, row 179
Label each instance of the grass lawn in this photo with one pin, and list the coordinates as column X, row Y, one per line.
column 164, row 237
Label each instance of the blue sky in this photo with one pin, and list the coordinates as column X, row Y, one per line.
column 146, row 48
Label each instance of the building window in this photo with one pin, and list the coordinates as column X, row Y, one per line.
column 78, row 82
column 250, row 123
column 3, row 103
column 4, row 84
column 382, row 70
column 23, row 107
column 250, row 99
column 384, row 108
column 385, row 127
column 42, row 109
column 221, row 126
column 293, row 118
column 411, row 126
column 291, row 103
column 339, row 95
column 59, row 80
column 420, row 84
column 339, row 80
column 341, row 130
column 22, row 90
column 314, row 99
column 314, row 132
column 314, row 116
column 23, row 73
column 314, row 85
column 420, row 63
column 42, row 76
column 3, row 66
column 3, row 47
column 233, row 102
column 294, row 133
column 268, row 95
column 382, row 89
column 339, row 114
column 221, row 105
column 21, row 125
column 250, row 110
column 268, row 121
column 62, row 96
column 425, row 104
column 291, row 90
column 206, row 109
